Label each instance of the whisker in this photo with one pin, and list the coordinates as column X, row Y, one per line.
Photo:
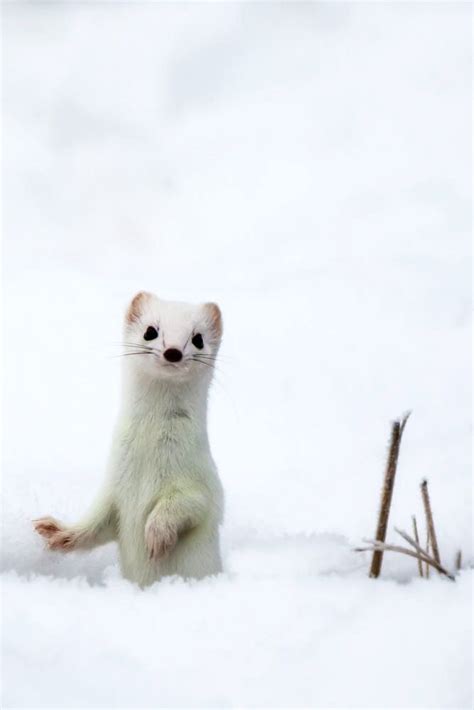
column 195, row 359
column 140, row 350
column 143, row 348
column 207, row 358
column 213, row 358
column 209, row 364
column 136, row 345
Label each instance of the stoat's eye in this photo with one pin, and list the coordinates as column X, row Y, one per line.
column 197, row 341
column 151, row 333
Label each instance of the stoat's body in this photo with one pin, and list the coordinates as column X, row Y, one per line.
column 162, row 500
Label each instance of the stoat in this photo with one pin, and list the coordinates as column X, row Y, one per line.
column 162, row 500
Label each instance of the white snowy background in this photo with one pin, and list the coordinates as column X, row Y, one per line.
column 307, row 166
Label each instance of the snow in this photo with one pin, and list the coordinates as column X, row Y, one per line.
column 246, row 640
column 307, row 166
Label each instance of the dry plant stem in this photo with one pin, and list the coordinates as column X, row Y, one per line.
column 375, row 545
column 385, row 547
column 429, row 520
column 415, row 535
column 458, row 560
column 422, row 552
column 414, row 543
column 428, row 551
column 387, row 491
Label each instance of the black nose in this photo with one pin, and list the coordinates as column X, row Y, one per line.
column 173, row 355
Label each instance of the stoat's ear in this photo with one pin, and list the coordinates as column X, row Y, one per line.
column 214, row 316
column 135, row 308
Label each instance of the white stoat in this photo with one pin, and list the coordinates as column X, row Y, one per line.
column 162, row 500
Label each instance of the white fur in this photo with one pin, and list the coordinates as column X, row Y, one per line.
column 162, row 500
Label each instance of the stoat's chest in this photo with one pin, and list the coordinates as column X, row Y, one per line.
column 150, row 452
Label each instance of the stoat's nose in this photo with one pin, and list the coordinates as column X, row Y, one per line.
column 173, row 355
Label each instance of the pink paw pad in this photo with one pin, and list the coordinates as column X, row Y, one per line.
column 57, row 536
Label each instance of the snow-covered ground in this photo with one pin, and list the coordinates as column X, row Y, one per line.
column 307, row 166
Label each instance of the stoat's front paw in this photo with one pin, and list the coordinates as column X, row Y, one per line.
column 57, row 536
column 47, row 527
column 160, row 539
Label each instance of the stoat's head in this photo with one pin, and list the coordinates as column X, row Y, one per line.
column 171, row 340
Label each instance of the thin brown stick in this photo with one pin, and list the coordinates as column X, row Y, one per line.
column 415, row 535
column 413, row 543
column 421, row 551
column 458, row 560
column 427, row 570
column 429, row 520
column 387, row 491
column 385, row 547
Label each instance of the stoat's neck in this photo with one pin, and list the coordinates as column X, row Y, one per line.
column 145, row 398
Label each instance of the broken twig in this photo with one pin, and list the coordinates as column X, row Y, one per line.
column 385, row 547
column 415, row 535
column 427, row 570
column 429, row 520
column 423, row 552
column 387, row 491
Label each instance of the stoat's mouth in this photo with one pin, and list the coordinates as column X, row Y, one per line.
column 171, row 363
column 187, row 367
